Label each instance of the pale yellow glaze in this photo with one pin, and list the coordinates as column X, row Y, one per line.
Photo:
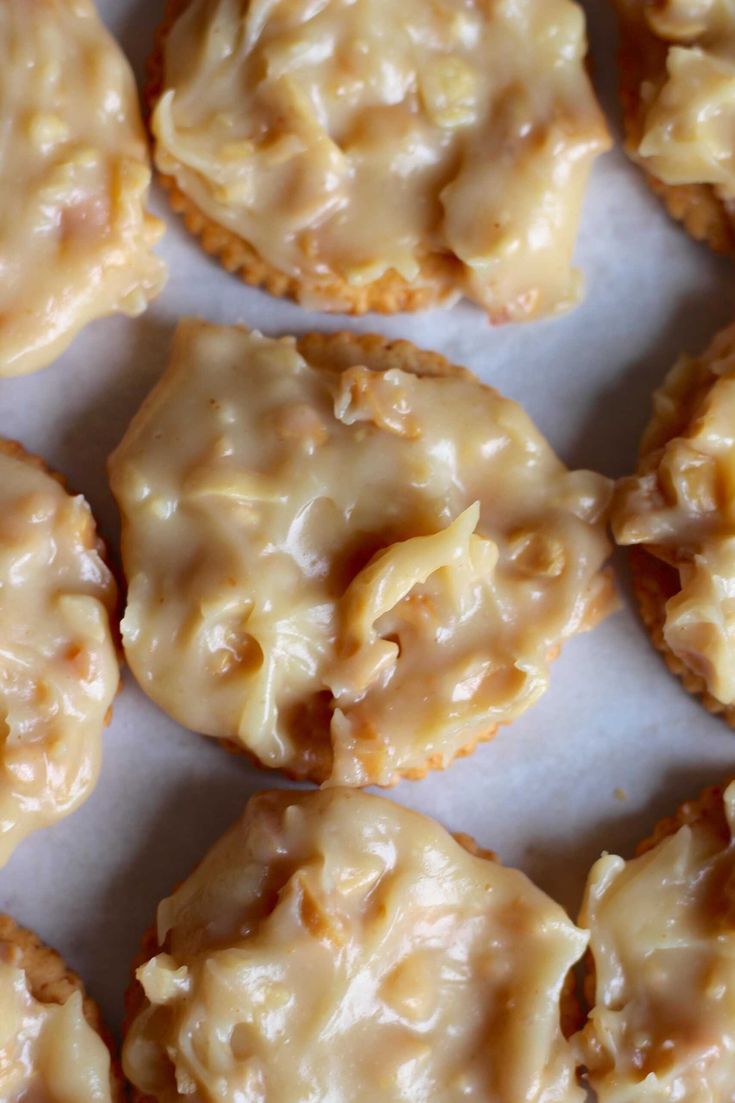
column 48, row 1052
column 348, row 572
column 688, row 134
column 662, row 1029
column 335, row 946
column 75, row 238
column 346, row 139
column 681, row 507
column 58, row 667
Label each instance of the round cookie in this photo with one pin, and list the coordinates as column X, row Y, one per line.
column 659, row 973
column 76, row 240
column 675, row 513
column 642, row 64
column 430, row 272
column 45, row 983
column 391, row 294
column 308, row 503
column 59, row 668
column 460, row 964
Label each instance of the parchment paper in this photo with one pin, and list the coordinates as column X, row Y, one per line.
column 614, row 744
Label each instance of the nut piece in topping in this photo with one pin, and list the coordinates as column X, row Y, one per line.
column 380, row 156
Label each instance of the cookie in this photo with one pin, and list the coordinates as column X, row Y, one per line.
column 363, row 895
column 345, row 182
column 676, row 514
column 59, row 669
column 355, row 561
column 702, row 207
column 54, row 1040
column 74, row 229
column 661, row 976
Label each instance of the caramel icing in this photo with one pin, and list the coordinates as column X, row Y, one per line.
column 680, row 506
column 58, row 667
column 75, row 238
column 349, row 140
column 662, row 1028
column 48, row 1051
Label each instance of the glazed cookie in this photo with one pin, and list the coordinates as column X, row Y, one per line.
column 678, row 511
column 336, row 945
column 381, row 156
column 661, row 1028
column 346, row 556
column 677, row 78
column 75, row 238
column 53, row 1044
column 58, row 665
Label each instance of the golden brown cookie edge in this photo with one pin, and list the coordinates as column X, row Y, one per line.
column 319, row 776
column 705, row 809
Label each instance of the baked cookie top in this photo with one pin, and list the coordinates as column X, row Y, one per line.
column 662, row 941
column 75, row 238
column 680, row 505
column 345, row 141
column 51, row 1048
column 58, row 667
column 334, row 945
column 348, row 557
column 686, row 116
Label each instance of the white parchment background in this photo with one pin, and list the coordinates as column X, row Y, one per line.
column 543, row 794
